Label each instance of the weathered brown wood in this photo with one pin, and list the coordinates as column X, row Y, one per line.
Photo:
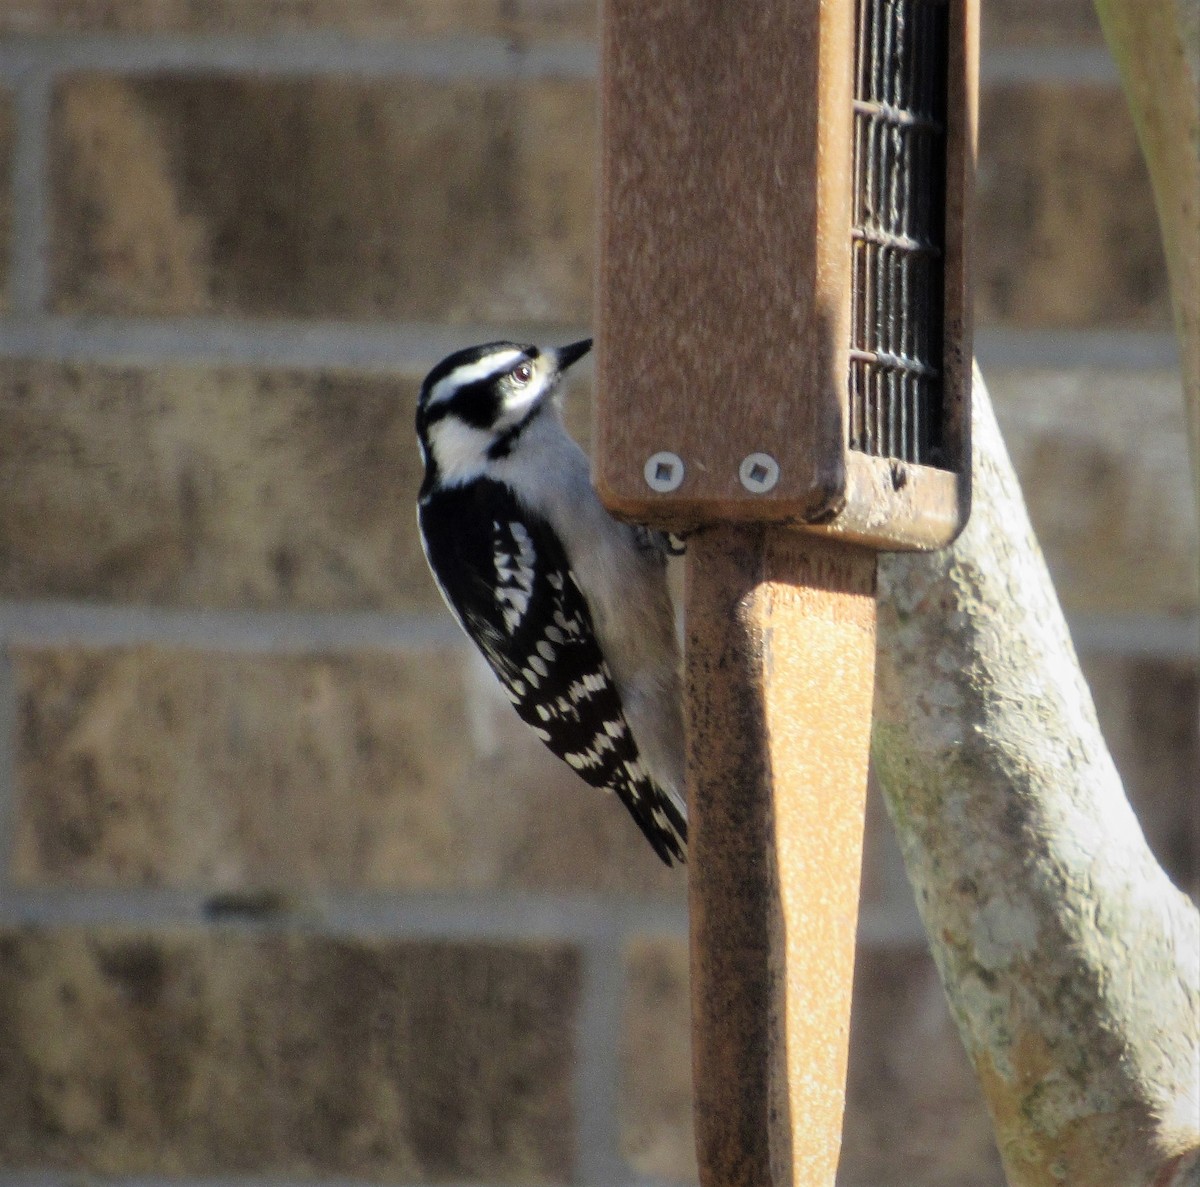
column 780, row 669
column 723, row 324
column 723, row 319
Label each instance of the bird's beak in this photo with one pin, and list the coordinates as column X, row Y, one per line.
column 566, row 355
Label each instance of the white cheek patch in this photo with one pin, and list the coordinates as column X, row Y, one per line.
column 459, row 450
column 468, row 373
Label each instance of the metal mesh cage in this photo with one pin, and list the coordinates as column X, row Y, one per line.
column 896, row 371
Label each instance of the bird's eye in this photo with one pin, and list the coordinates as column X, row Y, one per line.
column 522, row 373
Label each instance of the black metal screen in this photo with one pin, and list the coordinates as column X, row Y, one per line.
column 899, row 229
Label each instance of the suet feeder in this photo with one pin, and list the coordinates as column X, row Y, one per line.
column 784, row 332
column 783, row 370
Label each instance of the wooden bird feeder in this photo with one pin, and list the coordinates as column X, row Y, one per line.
column 783, row 369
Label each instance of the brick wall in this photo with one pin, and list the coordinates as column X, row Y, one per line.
column 287, row 894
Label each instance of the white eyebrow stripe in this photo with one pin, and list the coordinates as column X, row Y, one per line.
column 492, row 364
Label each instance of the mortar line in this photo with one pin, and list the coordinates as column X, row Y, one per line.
column 483, row 914
column 29, row 243
column 79, row 1178
column 9, row 725
column 438, row 58
column 74, row 1178
column 313, row 54
column 1065, row 64
column 598, row 1160
column 376, row 346
column 479, row 914
column 1139, row 636
column 580, row 918
column 40, row 623
column 269, row 632
column 1110, row 349
column 390, row 346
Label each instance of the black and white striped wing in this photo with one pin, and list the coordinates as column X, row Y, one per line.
column 508, row 581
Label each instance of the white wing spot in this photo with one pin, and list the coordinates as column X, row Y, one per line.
column 526, row 556
column 585, row 758
column 570, row 626
column 539, row 665
column 514, row 575
column 545, row 650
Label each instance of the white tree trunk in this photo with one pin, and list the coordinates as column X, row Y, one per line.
column 1156, row 44
column 1071, row 963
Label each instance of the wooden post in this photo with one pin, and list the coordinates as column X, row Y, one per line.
column 780, row 672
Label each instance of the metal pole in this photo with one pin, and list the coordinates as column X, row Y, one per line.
column 780, row 672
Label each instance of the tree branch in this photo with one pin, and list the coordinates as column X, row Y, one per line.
column 1156, row 44
column 1071, row 963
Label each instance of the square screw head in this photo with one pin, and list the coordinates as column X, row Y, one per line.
column 663, row 471
column 759, row 472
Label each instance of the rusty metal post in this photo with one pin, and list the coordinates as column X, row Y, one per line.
column 780, row 671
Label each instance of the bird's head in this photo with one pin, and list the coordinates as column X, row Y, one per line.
column 475, row 404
